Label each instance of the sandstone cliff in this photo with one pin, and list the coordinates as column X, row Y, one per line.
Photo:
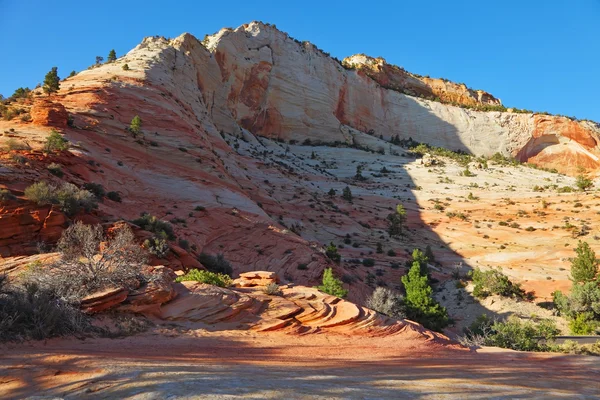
column 256, row 78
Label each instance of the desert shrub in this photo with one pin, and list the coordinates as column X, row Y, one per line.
column 85, row 266
column 125, row 67
column 302, row 266
column 332, row 253
column 391, row 253
column 199, row 208
column 152, row 224
column 387, row 302
column 114, row 196
column 184, row 244
column 216, row 263
column 494, row 282
column 13, row 144
column 28, row 311
column 368, row 262
column 69, row 197
column 135, row 127
column 272, row 289
column 211, row 278
column 420, row 305
column 55, row 142
column 6, row 195
column 96, row 188
column 583, row 183
column 331, row 285
column 583, row 324
column 514, row 333
column 55, row 169
column 157, row 246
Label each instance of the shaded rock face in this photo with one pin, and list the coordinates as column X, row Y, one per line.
column 22, row 226
column 48, row 113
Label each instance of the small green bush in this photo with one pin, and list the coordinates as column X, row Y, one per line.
column 331, row 285
column 69, row 197
column 273, row 289
column 494, row 282
column 152, row 224
column 6, row 195
column 55, row 169
column 368, row 262
column 96, row 188
column 55, row 142
column 332, row 253
column 114, row 196
column 211, row 278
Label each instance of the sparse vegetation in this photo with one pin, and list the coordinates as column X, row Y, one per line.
column 331, row 285
column 51, row 81
column 208, row 277
column 396, row 221
column 387, row 302
column 152, row 224
column 55, row 142
column 492, row 282
column 69, row 197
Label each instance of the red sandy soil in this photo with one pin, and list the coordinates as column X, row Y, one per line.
column 227, row 364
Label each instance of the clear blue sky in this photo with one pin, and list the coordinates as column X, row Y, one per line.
column 534, row 54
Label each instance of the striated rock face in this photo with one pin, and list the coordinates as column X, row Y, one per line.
column 256, row 278
column 48, row 113
column 258, row 79
column 393, row 77
column 22, row 226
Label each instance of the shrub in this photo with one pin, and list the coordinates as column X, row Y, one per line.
column 135, row 126
column 112, row 56
column 211, row 278
column 157, row 246
column 55, row 169
column 302, row 266
column 583, row 183
column 331, row 285
column 494, row 282
column 420, row 305
column 125, row 67
column 391, row 253
column 69, row 197
column 583, row 324
column 12, row 144
column 272, row 289
column 6, row 195
column 29, row 311
column 368, row 262
column 55, row 142
column 152, row 224
column 387, row 302
column 114, row 196
column 216, row 263
column 85, row 266
column 96, row 188
column 184, row 244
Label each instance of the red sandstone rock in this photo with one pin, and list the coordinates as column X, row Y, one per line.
column 104, row 300
column 48, row 113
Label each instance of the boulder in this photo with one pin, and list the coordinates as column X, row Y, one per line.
column 103, row 300
column 256, row 278
column 48, row 113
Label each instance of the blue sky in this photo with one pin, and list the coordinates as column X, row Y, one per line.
column 540, row 55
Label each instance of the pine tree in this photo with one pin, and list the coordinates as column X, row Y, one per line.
column 112, row 56
column 55, row 142
column 396, row 221
column 51, row 81
column 331, row 192
column 331, row 285
column 99, row 60
column 584, row 267
column 421, row 306
column 347, row 194
column 136, row 125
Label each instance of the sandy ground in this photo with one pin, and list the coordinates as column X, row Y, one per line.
column 227, row 365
